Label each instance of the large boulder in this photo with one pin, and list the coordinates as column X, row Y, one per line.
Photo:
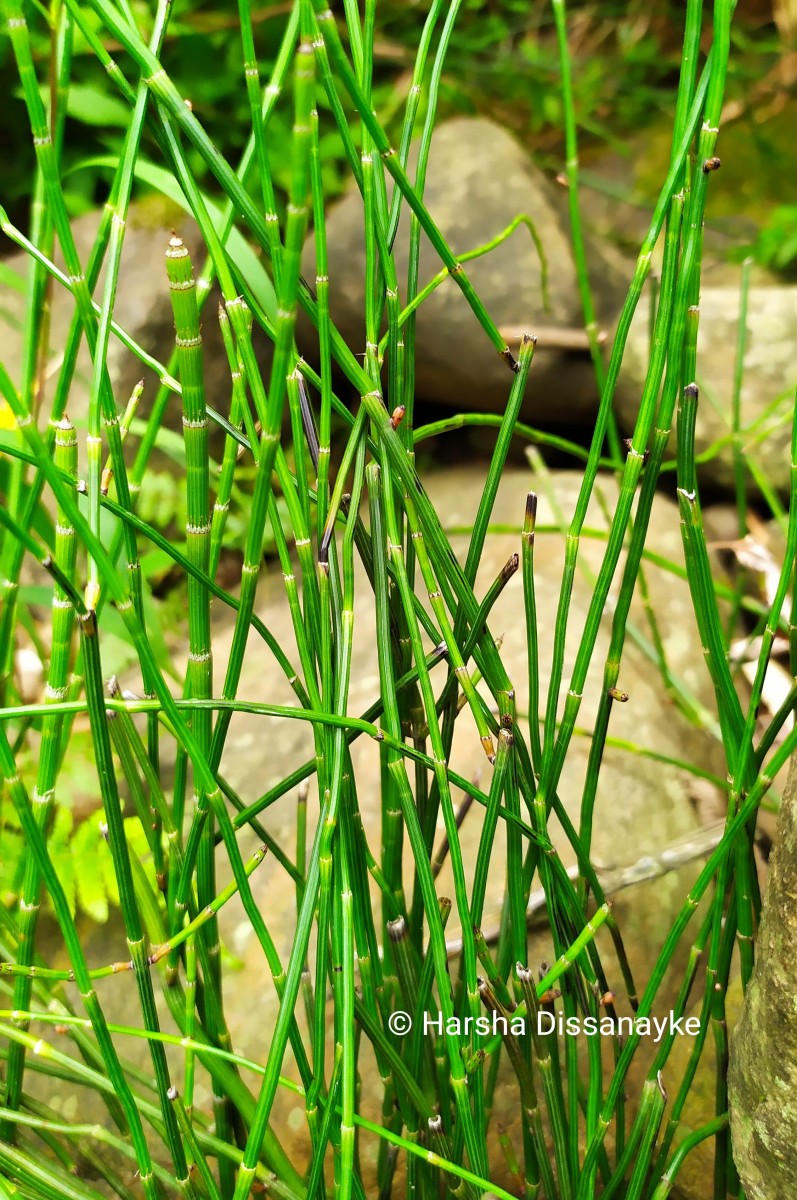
column 762, row 1080
column 768, row 383
column 479, row 180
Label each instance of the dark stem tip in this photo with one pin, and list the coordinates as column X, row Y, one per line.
column 509, row 567
column 510, row 360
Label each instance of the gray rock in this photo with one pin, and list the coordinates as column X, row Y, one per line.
column 762, row 1079
column 768, row 384
column 479, row 180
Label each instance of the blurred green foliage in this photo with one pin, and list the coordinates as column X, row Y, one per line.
column 502, row 62
column 77, row 846
column 776, row 246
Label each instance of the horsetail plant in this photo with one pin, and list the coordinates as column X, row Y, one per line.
column 396, row 1019
column 63, row 622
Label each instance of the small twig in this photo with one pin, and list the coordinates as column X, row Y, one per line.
column 615, row 879
column 552, row 337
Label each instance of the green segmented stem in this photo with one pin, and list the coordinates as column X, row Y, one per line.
column 740, row 487
column 428, row 1117
column 423, row 294
column 199, row 673
column 667, row 1180
column 343, row 956
column 737, row 755
column 196, row 1155
column 392, row 820
column 63, row 623
column 322, row 301
column 653, row 1102
column 271, row 407
column 538, row 1168
column 331, row 37
column 239, row 410
column 551, row 1085
column 38, row 849
column 476, row 1150
column 497, row 463
column 662, row 325
column 572, row 167
column 122, row 869
column 532, row 643
column 101, row 401
column 254, row 94
column 497, row 784
column 413, row 260
column 339, row 604
column 182, row 286
column 456, row 661
column 320, row 854
column 410, row 113
column 37, row 333
column 676, row 1109
column 125, row 422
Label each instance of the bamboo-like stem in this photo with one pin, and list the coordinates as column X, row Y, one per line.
column 353, row 964
column 214, row 1058
column 667, row 1180
column 254, row 93
column 633, row 463
column 238, row 411
column 38, row 848
column 162, row 86
column 37, row 332
column 199, row 673
column 63, row 623
column 122, row 869
column 632, row 566
column 572, row 167
column 734, row 828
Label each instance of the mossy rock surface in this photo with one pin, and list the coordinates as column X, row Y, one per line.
column 762, row 1079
